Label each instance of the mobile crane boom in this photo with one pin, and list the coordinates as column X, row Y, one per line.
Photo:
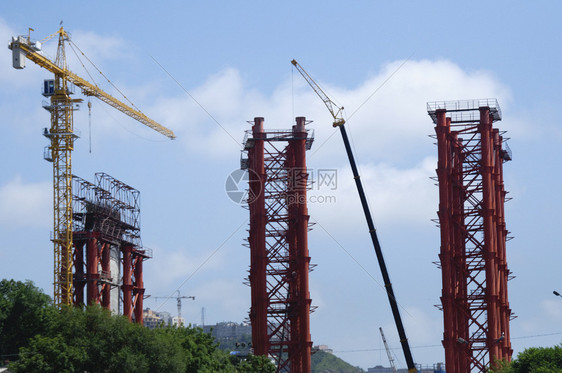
column 388, row 353
column 62, row 136
column 340, row 122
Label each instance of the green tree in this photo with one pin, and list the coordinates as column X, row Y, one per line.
column 24, row 312
column 535, row 360
column 49, row 355
column 92, row 340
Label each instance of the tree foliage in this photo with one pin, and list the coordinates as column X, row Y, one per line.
column 94, row 341
column 23, row 314
column 535, row 360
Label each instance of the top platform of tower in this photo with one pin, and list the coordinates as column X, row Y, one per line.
column 465, row 111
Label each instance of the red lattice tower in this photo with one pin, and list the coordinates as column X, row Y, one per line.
column 473, row 262
column 278, row 240
column 108, row 254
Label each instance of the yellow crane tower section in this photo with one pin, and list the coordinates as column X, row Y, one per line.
column 62, row 136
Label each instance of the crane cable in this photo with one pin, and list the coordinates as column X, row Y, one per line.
column 82, row 63
column 103, row 107
column 102, row 74
column 90, row 123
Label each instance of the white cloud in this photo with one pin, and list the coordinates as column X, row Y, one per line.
column 552, row 310
column 395, row 194
column 392, row 126
column 422, row 328
column 230, row 297
column 100, row 48
column 26, row 204
column 548, row 313
column 180, row 265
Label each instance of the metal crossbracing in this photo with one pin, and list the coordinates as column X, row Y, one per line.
column 61, row 134
column 280, row 263
column 108, row 253
column 471, row 215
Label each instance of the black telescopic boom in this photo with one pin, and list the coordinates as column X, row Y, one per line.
column 378, row 251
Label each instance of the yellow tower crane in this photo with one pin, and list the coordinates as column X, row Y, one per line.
column 62, row 136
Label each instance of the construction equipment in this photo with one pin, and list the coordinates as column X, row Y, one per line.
column 178, row 298
column 390, row 358
column 337, row 114
column 62, row 136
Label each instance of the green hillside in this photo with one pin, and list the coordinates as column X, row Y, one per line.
column 323, row 362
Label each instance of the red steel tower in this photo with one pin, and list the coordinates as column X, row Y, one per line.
column 278, row 240
column 473, row 262
column 108, row 255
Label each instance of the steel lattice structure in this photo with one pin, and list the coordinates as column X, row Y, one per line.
column 62, row 136
column 473, row 234
column 278, row 184
column 108, row 253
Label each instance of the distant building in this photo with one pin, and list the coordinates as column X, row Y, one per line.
column 380, row 369
column 436, row 368
column 178, row 321
column 228, row 330
column 324, row 348
column 153, row 319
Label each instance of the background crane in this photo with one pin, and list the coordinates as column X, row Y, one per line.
column 62, row 136
column 390, row 358
column 337, row 114
column 178, row 298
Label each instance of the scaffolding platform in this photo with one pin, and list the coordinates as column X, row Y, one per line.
column 465, row 111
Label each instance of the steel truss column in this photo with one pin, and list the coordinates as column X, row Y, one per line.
column 138, row 286
column 133, row 283
column 299, row 259
column 79, row 273
column 278, row 181
column 258, row 252
column 62, row 144
column 444, row 171
column 505, row 310
column 105, row 278
column 93, row 276
column 127, row 281
column 473, row 235
column 490, row 242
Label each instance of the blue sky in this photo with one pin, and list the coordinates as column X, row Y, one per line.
column 234, row 58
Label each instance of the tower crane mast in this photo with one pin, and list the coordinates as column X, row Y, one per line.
column 337, row 115
column 62, row 136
